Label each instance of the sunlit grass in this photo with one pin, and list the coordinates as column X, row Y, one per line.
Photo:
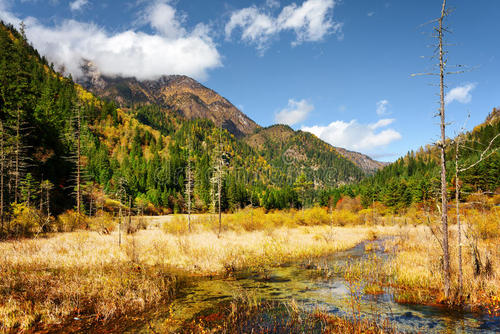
column 79, row 273
column 86, row 273
column 416, row 265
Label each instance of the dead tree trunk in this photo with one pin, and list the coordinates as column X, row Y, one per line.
column 189, row 185
column 219, row 191
column 47, row 190
column 78, row 164
column 487, row 152
column 17, row 154
column 459, row 224
column 120, row 227
column 130, row 213
column 41, row 196
column 2, row 171
column 442, row 146
column 217, row 180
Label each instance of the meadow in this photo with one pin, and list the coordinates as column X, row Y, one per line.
column 88, row 274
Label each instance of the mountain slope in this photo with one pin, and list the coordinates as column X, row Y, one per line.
column 297, row 142
column 194, row 101
column 177, row 92
column 367, row 164
column 137, row 153
column 287, row 149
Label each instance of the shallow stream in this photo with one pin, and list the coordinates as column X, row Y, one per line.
column 302, row 283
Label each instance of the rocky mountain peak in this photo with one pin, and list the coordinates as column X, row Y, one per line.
column 177, row 92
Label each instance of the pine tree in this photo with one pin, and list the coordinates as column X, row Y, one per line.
column 28, row 188
column 302, row 187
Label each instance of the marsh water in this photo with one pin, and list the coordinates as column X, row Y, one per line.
column 301, row 283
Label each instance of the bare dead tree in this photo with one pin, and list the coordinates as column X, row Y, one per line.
column 488, row 151
column 129, row 213
column 457, row 206
column 441, row 53
column 189, row 184
column 73, row 136
column 444, row 199
column 457, row 203
column 45, row 187
column 18, row 154
column 2, row 173
column 78, row 163
column 122, row 195
column 219, row 165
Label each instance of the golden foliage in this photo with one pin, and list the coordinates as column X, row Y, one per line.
column 71, row 221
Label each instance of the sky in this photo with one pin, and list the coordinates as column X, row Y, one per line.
column 341, row 69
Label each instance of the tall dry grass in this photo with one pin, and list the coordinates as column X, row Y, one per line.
column 86, row 273
column 75, row 274
column 417, row 263
column 247, row 220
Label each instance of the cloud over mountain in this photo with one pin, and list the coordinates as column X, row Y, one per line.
column 296, row 112
column 365, row 138
column 170, row 49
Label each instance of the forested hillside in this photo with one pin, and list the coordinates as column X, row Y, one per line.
column 62, row 148
column 414, row 178
column 290, row 151
column 36, row 111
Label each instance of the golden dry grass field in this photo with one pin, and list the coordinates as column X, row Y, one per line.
column 88, row 274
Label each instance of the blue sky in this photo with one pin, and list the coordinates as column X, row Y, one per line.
column 340, row 69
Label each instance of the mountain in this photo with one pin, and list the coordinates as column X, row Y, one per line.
column 176, row 92
column 195, row 101
column 305, row 149
column 367, row 164
column 286, row 149
column 136, row 139
column 138, row 152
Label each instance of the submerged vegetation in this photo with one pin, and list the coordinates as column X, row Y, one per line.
column 280, row 318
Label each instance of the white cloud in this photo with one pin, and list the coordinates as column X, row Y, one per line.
column 370, row 14
column 164, row 19
column 5, row 14
column 355, row 136
column 460, row 94
column 310, row 22
column 272, row 3
column 77, row 5
column 382, row 107
column 296, row 112
column 170, row 50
